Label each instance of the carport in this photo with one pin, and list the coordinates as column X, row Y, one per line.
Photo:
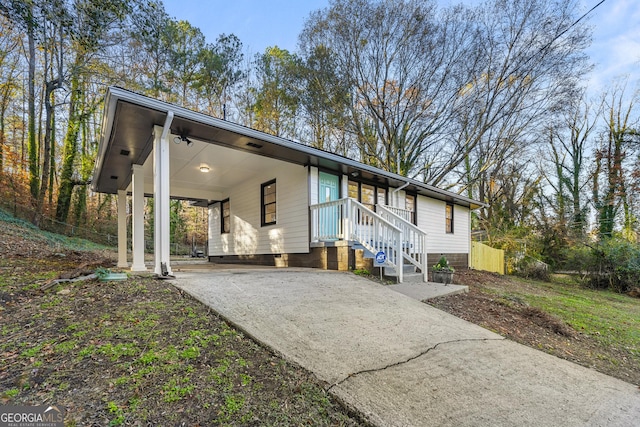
column 150, row 148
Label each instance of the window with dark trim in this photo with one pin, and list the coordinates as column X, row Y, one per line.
column 381, row 197
column 410, row 205
column 367, row 194
column 449, row 218
column 268, row 202
column 354, row 190
column 225, row 217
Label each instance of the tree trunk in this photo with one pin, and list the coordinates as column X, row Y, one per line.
column 70, row 149
column 46, row 149
column 31, row 101
column 52, row 159
column 2, row 126
column 85, row 172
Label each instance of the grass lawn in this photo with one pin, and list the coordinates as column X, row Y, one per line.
column 611, row 318
column 596, row 328
column 142, row 352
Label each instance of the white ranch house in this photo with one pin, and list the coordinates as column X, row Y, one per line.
column 270, row 200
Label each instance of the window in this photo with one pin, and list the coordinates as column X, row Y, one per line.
column 225, row 216
column 410, row 205
column 449, row 218
column 268, row 202
column 354, row 190
column 368, row 195
column 382, row 196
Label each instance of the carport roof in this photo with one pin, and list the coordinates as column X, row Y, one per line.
column 127, row 138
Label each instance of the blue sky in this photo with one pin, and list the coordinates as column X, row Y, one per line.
column 262, row 23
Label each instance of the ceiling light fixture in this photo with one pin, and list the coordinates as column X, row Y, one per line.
column 204, row 168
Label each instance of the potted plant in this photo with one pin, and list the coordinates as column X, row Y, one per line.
column 442, row 272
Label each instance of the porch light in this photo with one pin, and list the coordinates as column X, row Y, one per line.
column 204, row 168
column 179, row 139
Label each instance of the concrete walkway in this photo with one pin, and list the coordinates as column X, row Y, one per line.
column 400, row 362
column 424, row 291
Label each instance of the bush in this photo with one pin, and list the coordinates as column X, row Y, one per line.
column 580, row 258
column 611, row 264
column 621, row 263
column 531, row 268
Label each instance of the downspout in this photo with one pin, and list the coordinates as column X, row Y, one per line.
column 394, row 192
column 161, row 203
column 167, row 124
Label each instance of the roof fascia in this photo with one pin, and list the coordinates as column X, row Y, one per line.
column 115, row 94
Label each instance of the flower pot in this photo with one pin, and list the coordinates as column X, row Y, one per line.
column 442, row 276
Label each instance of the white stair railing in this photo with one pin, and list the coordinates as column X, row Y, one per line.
column 348, row 219
column 402, row 213
column 414, row 244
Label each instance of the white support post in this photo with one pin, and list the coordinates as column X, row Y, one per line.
column 161, row 198
column 122, row 229
column 137, row 181
column 346, row 214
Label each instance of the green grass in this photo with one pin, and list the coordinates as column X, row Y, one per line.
column 611, row 318
column 138, row 352
column 53, row 240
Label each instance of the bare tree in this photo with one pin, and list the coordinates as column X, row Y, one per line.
column 400, row 59
column 614, row 165
column 529, row 61
column 567, row 150
column 9, row 68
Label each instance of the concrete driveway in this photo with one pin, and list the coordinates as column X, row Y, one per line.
column 400, row 362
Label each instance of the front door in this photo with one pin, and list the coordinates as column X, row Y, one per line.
column 328, row 191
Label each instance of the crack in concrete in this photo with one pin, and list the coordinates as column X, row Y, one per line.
column 402, row 362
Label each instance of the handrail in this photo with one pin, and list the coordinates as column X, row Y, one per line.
column 414, row 246
column 402, row 213
column 348, row 219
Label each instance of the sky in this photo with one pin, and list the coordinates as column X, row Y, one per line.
column 258, row 24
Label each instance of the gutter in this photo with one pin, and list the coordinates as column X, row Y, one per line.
column 116, row 93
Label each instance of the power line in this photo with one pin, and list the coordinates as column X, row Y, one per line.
column 572, row 25
column 557, row 36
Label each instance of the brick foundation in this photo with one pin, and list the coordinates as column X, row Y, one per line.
column 330, row 256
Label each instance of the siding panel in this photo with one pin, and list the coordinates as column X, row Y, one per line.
column 290, row 234
column 431, row 218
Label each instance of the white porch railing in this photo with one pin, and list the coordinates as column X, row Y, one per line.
column 414, row 242
column 347, row 219
column 402, row 213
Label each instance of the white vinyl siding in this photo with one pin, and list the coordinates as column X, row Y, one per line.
column 314, row 180
column 247, row 236
column 431, row 218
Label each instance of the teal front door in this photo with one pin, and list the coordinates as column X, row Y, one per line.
column 328, row 191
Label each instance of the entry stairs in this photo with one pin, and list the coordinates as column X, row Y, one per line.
column 410, row 273
column 387, row 230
